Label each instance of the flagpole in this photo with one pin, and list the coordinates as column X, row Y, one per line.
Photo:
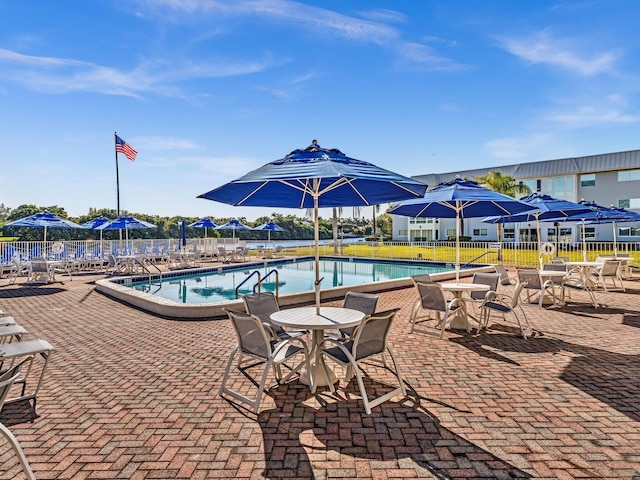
column 115, row 134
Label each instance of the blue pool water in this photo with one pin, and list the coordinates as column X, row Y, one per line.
column 293, row 277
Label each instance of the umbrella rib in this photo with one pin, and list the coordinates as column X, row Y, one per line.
column 257, row 189
column 344, row 181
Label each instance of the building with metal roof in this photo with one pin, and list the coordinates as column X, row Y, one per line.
column 607, row 179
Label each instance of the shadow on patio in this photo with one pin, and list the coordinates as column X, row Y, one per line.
column 396, row 435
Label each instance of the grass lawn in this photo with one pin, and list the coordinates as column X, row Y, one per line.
column 446, row 253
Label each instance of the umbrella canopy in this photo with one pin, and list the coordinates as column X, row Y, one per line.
column 317, row 177
column 44, row 220
column 95, row 224
column 233, row 224
column 126, row 223
column 270, row 227
column 547, row 209
column 600, row 214
column 204, row 223
column 460, row 199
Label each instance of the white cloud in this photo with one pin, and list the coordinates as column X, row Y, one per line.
column 514, row 149
column 58, row 75
column 612, row 108
column 150, row 143
column 592, row 115
column 564, row 53
column 368, row 29
column 383, row 15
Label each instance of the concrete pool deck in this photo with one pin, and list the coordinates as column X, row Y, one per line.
column 131, row 395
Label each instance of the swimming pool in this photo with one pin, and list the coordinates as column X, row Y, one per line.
column 206, row 292
column 285, row 277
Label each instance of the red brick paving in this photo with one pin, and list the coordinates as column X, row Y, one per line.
column 128, row 395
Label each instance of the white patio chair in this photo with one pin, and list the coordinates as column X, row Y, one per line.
column 226, row 256
column 431, row 298
column 476, row 298
column 370, row 341
column 20, row 268
column 39, row 271
column 113, row 265
column 610, row 270
column 504, row 305
column 262, row 305
column 7, row 379
column 363, row 302
column 256, row 344
column 505, row 279
column 532, row 283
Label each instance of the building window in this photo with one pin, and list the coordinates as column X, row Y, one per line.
column 418, row 220
column 531, row 184
column 629, row 203
column 629, row 231
column 479, row 232
column 559, row 187
column 629, row 175
column 450, row 232
column 588, row 180
column 402, row 233
column 509, row 234
column 564, row 235
column 589, row 233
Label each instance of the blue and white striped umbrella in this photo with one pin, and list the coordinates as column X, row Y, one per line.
column 44, row 220
column 317, row 177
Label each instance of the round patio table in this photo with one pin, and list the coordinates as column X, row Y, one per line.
column 308, row 318
column 460, row 318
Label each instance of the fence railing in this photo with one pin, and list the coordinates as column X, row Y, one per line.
column 520, row 253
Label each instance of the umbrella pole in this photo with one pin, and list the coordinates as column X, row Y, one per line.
column 45, row 234
column 316, row 237
column 457, row 243
column 584, row 242
column 539, row 241
column 615, row 246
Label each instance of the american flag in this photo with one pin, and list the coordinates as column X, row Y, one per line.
column 124, row 147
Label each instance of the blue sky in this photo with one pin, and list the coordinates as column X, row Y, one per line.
column 208, row 90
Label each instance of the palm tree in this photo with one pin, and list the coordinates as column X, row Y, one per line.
column 376, row 209
column 335, row 220
column 505, row 184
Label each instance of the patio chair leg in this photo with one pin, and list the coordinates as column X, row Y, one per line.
column 18, row 450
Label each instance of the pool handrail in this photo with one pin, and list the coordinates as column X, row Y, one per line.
column 255, row 272
column 260, row 280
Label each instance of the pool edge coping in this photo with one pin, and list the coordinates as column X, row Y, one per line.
column 192, row 311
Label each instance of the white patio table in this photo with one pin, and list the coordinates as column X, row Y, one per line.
column 308, row 318
column 460, row 318
column 585, row 281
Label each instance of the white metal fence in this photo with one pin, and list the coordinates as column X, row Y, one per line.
column 521, row 253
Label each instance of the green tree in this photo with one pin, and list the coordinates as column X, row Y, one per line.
column 504, row 184
column 4, row 212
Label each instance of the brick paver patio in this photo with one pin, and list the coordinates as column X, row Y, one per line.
column 132, row 395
